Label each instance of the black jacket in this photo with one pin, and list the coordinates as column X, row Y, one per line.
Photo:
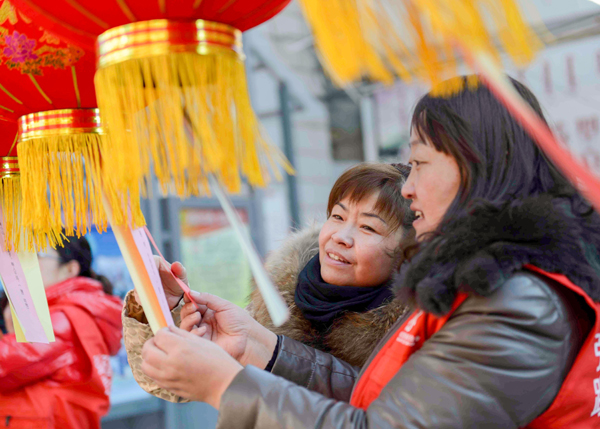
column 498, row 362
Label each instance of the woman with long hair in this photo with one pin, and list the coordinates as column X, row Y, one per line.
column 505, row 285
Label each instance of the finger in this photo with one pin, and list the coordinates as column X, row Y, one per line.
column 154, row 372
column 161, row 263
column 153, row 355
column 179, row 270
column 200, row 332
column 180, row 334
column 211, row 301
column 190, row 321
column 167, row 341
column 187, row 309
column 199, row 306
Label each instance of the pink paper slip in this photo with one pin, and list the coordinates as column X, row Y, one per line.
column 13, row 280
column 143, row 246
column 182, row 285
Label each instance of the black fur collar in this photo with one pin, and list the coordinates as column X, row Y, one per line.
column 483, row 249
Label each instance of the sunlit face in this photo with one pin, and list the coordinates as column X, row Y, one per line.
column 53, row 271
column 355, row 246
column 432, row 185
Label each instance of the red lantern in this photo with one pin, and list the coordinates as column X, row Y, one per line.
column 171, row 86
column 82, row 21
column 46, row 86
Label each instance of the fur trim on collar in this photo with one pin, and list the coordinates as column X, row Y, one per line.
column 483, row 249
column 352, row 337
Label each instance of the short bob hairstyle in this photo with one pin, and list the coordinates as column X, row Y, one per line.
column 363, row 180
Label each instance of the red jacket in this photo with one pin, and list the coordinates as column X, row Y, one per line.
column 65, row 384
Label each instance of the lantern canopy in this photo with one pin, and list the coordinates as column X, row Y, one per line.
column 171, row 87
column 46, row 86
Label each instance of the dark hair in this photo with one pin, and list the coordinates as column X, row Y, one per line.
column 78, row 249
column 364, row 179
column 497, row 158
column 3, row 304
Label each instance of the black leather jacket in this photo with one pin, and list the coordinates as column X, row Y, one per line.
column 498, row 362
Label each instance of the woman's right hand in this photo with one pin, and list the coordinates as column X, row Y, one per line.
column 173, row 291
column 229, row 326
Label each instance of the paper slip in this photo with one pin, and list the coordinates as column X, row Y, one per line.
column 16, row 325
column 26, row 293
column 143, row 245
column 186, row 289
column 144, row 272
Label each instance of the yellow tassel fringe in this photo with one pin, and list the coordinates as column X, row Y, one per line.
column 19, row 235
column 381, row 39
column 186, row 115
column 61, row 182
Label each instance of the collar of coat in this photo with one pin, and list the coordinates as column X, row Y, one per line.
column 353, row 335
column 479, row 251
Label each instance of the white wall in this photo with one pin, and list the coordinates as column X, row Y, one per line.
column 316, row 171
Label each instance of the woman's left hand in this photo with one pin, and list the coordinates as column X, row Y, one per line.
column 189, row 366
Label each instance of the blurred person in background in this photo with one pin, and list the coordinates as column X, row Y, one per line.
column 336, row 279
column 64, row 384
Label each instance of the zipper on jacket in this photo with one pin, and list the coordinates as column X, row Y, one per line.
column 7, row 421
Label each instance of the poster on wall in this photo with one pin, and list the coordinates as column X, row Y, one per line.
column 213, row 258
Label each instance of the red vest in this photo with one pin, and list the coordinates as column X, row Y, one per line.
column 576, row 406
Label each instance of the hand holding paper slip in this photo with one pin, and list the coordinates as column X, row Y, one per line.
column 182, row 285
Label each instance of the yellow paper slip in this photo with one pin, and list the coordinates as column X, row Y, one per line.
column 137, row 253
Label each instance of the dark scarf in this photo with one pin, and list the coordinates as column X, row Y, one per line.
column 321, row 302
column 481, row 249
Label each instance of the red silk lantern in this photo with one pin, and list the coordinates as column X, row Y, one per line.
column 46, row 86
column 82, row 21
column 171, row 87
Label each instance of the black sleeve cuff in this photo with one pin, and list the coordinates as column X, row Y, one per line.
column 269, row 366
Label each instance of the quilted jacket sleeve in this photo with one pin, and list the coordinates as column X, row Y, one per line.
column 498, row 363
column 136, row 332
column 25, row 363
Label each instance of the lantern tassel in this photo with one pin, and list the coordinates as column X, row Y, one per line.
column 62, row 168
column 18, row 236
column 210, row 92
column 197, row 81
column 60, row 177
column 379, row 40
column 10, row 189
